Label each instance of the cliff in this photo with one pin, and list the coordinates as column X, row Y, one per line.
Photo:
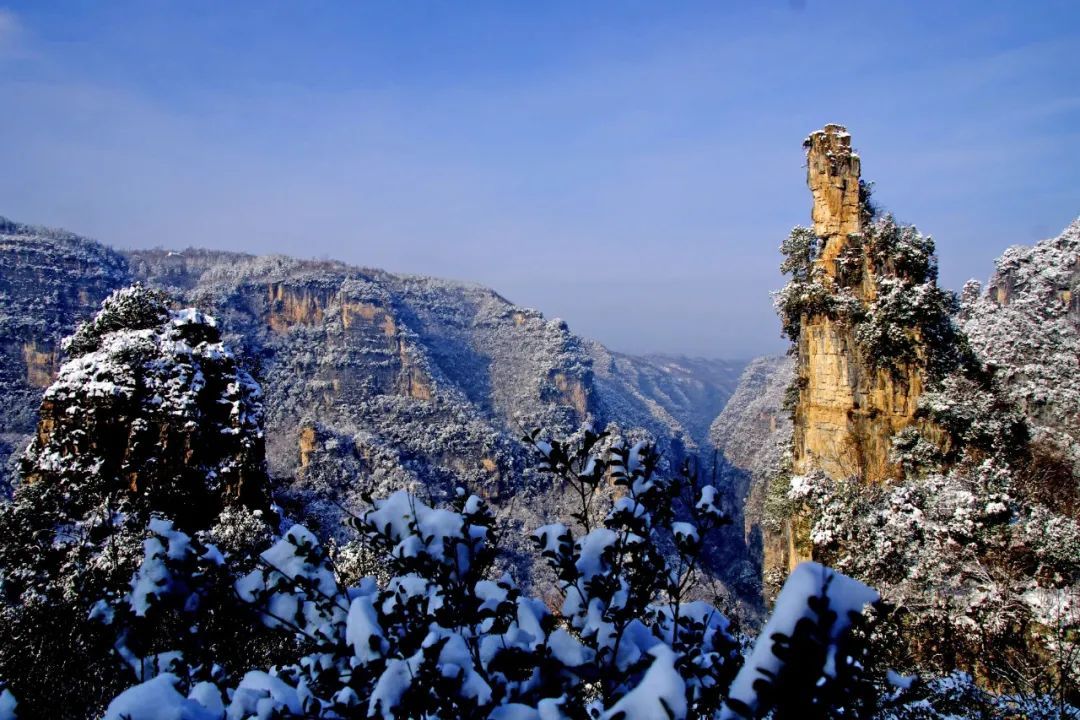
column 151, row 409
column 49, row 281
column 912, row 464
column 849, row 406
column 374, row 380
column 754, row 434
column 1027, row 324
column 871, row 331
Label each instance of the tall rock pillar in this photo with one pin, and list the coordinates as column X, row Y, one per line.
column 832, row 172
column 861, row 357
column 849, row 407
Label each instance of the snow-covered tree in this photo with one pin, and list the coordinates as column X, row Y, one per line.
column 444, row 637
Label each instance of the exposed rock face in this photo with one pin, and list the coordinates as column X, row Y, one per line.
column 41, row 364
column 848, row 408
column 375, row 381
column 153, row 409
column 309, row 438
column 49, row 281
column 832, row 173
column 869, row 326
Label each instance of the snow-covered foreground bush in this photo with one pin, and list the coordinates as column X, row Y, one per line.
column 443, row 639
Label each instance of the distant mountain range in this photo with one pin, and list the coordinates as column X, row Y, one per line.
column 395, row 379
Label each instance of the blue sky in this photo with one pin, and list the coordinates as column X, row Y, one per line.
column 628, row 166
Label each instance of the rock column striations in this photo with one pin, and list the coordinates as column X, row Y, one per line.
column 848, row 407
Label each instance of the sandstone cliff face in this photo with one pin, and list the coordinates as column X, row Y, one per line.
column 49, row 281
column 41, row 363
column 848, row 408
column 832, row 173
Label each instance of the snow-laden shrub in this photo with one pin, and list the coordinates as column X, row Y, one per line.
column 884, row 288
column 806, row 663
column 806, row 294
column 620, row 590
column 130, row 308
column 446, row 637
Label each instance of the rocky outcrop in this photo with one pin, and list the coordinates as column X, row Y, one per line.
column 832, row 173
column 1050, row 269
column 41, row 364
column 572, row 393
column 1030, row 311
column 309, row 443
column 152, row 409
column 290, row 306
column 870, row 329
column 849, row 406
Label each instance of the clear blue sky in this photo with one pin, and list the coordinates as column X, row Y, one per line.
column 630, row 167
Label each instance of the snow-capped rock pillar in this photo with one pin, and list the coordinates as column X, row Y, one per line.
column 849, row 405
column 832, row 172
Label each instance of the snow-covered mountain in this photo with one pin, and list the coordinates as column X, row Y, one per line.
column 393, row 378
column 753, row 432
column 1027, row 324
column 49, row 281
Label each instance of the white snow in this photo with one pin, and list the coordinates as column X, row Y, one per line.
column 7, row 705
column 363, row 631
column 260, row 695
column 807, row 580
column 157, row 699
column 661, row 694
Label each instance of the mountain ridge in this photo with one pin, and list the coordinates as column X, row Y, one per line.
column 405, row 379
